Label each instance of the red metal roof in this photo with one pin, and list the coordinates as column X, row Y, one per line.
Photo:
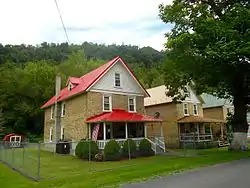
column 84, row 82
column 119, row 115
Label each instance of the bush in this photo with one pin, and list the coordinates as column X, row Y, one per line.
column 112, row 151
column 145, row 148
column 129, row 146
column 84, row 147
column 206, row 145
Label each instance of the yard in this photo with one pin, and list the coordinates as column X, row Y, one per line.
column 67, row 171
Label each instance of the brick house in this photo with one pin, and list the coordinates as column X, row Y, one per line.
column 110, row 97
column 184, row 121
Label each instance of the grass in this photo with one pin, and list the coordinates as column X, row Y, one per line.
column 70, row 172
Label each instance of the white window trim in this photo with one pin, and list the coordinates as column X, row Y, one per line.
column 120, row 80
column 50, row 134
column 62, row 132
column 185, row 108
column 134, row 98
column 52, row 111
column 63, row 108
column 110, row 103
column 195, row 105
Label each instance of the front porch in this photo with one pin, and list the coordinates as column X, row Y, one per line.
column 195, row 129
column 122, row 125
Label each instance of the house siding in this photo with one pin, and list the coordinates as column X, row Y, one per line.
column 79, row 108
column 128, row 83
column 168, row 113
column 215, row 113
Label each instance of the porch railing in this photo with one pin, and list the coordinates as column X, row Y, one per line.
column 101, row 143
column 194, row 137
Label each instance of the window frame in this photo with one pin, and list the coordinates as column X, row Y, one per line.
column 110, row 103
column 185, row 114
column 63, row 109
column 62, row 133
column 134, row 103
column 50, row 134
column 195, row 107
column 52, row 112
column 117, row 73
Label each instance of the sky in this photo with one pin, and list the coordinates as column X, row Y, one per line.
column 134, row 22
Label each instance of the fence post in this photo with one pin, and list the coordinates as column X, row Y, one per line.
column 13, row 155
column 23, row 155
column 89, row 150
column 38, row 160
column 129, row 157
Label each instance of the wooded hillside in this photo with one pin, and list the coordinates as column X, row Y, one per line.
column 27, row 76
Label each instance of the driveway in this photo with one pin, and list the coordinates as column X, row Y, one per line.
column 233, row 175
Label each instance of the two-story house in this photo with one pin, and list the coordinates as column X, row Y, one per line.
column 217, row 108
column 109, row 100
column 183, row 121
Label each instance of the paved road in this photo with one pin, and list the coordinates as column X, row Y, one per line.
column 233, row 175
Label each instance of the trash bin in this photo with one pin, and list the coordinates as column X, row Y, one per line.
column 63, row 147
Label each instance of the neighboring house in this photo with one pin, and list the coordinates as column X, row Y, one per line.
column 109, row 98
column 248, row 121
column 217, row 108
column 183, row 122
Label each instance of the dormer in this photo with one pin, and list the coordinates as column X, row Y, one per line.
column 73, row 82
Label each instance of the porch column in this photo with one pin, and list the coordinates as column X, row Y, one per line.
column 221, row 130
column 126, row 130
column 104, row 131
column 111, row 131
column 198, row 131
column 89, row 127
column 211, row 131
column 161, row 130
column 145, row 131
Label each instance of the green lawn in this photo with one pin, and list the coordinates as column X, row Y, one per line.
column 70, row 172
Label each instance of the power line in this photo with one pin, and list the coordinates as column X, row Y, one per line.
column 64, row 28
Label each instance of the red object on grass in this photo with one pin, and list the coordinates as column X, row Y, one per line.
column 85, row 82
column 118, row 115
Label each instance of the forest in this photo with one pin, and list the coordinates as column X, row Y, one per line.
column 27, row 76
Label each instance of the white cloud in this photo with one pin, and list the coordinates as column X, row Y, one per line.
column 112, row 21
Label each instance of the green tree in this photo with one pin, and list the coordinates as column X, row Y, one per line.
column 210, row 46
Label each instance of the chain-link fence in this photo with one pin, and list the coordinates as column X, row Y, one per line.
column 67, row 159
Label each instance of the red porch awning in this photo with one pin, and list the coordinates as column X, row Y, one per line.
column 118, row 115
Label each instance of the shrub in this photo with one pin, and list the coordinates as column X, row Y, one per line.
column 112, row 151
column 86, row 147
column 129, row 146
column 99, row 157
column 145, row 148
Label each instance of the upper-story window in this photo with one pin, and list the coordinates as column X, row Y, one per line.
column 117, row 80
column 186, row 92
column 185, row 108
column 107, row 103
column 52, row 113
column 195, row 108
column 63, row 110
column 131, row 104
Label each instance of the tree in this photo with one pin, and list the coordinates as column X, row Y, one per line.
column 210, row 46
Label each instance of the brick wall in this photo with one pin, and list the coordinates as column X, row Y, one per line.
column 79, row 108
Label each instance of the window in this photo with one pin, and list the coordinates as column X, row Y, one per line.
column 52, row 112
column 62, row 133
column 185, row 108
column 63, row 109
column 107, row 105
column 70, row 86
column 195, row 109
column 117, row 80
column 51, row 134
column 131, row 104
column 186, row 92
